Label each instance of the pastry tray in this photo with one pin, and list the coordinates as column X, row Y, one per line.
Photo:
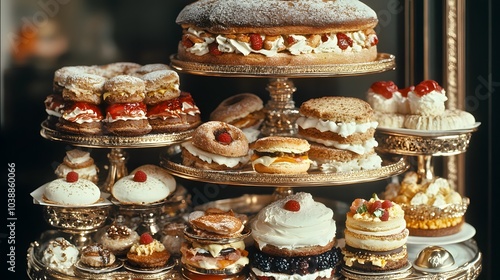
column 246, row 176
column 411, row 142
column 382, row 63
column 111, row 141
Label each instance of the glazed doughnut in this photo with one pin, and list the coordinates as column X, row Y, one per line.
column 277, row 32
column 237, row 107
column 216, row 145
column 124, row 89
column 161, row 85
column 204, row 137
column 83, row 87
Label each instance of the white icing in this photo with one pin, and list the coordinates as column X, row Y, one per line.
column 60, row 255
column 355, row 148
column 312, row 225
column 126, row 190
column 381, row 104
column 371, row 162
column 81, row 192
column 343, row 129
column 327, row 273
column 431, row 104
column 210, row 157
column 81, row 116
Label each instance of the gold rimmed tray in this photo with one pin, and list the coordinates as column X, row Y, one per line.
column 247, row 177
column 412, row 142
column 111, row 141
column 384, row 62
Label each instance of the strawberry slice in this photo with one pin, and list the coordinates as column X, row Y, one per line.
column 344, row 41
column 256, row 41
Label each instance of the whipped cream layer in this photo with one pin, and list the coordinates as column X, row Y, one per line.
column 312, row 225
column 326, row 274
column 366, row 147
column 81, row 116
column 381, row 104
column 210, row 157
column 343, row 129
column 430, row 104
column 324, row 43
column 366, row 163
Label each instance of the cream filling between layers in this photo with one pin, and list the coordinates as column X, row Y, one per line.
column 343, row 129
column 374, row 242
column 327, row 43
column 327, row 273
column 210, row 157
column 81, row 116
column 355, row 148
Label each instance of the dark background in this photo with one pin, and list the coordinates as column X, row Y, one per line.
column 100, row 32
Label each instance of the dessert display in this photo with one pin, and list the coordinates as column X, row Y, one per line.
column 121, row 99
column 432, row 208
column 277, row 32
column 341, row 132
column 140, row 188
column 280, row 155
column 243, row 110
column 375, row 236
column 214, row 243
column 96, row 255
column 71, row 191
column 80, row 162
column 148, row 253
column 60, row 255
column 216, row 145
column 295, row 239
column 420, row 107
column 118, row 239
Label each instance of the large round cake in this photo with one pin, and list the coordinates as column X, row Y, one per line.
column 277, row 32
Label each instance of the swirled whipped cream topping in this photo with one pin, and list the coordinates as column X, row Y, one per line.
column 430, row 104
column 312, row 225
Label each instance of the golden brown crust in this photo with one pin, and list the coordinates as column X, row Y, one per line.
column 277, row 16
column 128, row 128
column 437, row 232
column 92, row 98
column 155, row 260
column 236, row 107
column 171, row 125
column 356, row 138
column 283, row 167
column 322, row 152
column 298, row 252
column 281, row 144
column 160, row 86
column 204, row 138
column 281, row 59
column 338, row 108
column 92, row 128
column 222, row 225
column 124, row 89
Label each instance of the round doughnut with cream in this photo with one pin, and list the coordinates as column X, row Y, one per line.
column 244, row 110
column 216, row 145
column 277, row 32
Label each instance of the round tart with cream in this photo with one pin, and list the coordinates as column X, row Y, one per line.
column 277, row 32
column 148, row 253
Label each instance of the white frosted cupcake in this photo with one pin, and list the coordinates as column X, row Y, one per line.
column 427, row 99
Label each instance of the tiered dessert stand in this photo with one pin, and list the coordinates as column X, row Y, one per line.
column 81, row 224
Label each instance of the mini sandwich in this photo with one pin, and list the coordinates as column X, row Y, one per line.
column 280, row 155
column 215, row 242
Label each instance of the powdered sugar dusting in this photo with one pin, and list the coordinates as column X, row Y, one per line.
column 269, row 13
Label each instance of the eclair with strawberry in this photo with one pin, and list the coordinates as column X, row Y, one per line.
column 216, row 145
